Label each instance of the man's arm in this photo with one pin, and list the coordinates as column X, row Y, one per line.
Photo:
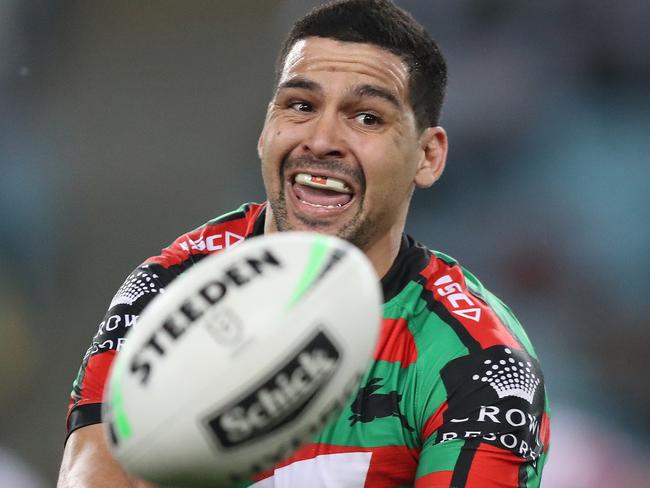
column 492, row 429
column 88, row 463
column 87, row 460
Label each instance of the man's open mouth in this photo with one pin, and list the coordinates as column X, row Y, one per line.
column 322, row 191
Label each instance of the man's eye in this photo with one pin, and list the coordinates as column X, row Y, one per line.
column 301, row 106
column 368, row 119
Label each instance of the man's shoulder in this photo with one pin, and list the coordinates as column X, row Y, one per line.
column 459, row 334
column 216, row 235
column 442, row 300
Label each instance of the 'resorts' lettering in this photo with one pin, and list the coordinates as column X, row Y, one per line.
column 492, row 414
column 105, row 345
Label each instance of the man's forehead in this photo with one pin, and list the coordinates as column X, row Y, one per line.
column 324, row 54
column 293, row 57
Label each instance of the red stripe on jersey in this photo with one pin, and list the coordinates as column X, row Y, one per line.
column 396, row 343
column 208, row 239
column 493, row 467
column 439, row 479
column 448, row 286
column 94, row 379
column 435, row 421
column 390, row 466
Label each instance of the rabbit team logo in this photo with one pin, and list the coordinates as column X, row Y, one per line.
column 369, row 405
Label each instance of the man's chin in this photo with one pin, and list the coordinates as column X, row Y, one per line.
column 349, row 230
column 299, row 223
column 344, row 226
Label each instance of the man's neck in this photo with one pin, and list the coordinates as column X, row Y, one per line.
column 381, row 253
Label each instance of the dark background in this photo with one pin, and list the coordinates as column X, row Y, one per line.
column 124, row 124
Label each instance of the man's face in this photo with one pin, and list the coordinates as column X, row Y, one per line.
column 340, row 149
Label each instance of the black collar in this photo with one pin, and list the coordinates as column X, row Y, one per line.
column 408, row 263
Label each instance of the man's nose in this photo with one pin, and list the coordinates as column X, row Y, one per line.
column 326, row 138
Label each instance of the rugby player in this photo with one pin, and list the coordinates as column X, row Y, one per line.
column 454, row 396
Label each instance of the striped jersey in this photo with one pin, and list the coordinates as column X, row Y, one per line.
column 454, row 395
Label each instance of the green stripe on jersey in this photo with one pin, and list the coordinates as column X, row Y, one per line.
column 346, row 430
column 444, row 459
column 547, row 404
column 446, row 258
column 532, row 478
column 436, row 343
column 227, row 216
column 501, row 310
column 78, row 381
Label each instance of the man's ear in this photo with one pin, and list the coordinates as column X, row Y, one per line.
column 260, row 141
column 260, row 144
column 433, row 144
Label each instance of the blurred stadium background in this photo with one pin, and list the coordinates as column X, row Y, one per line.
column 123, row 124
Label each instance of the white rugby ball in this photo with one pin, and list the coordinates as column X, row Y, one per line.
column 243, row 358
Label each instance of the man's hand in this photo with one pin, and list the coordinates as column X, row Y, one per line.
column 88, row 463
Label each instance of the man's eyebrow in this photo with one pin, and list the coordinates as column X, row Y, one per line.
column 359, row 91
column 300, row 83
column 377, row 91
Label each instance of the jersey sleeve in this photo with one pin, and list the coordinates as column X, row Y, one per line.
column 492, row 430
column 146, row 282
column 485, row 421
column 140, row 287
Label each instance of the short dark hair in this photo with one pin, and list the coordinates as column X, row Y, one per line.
column 382, row 23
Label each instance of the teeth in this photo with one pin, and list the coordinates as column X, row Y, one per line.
column 338, row 205
column 323, row 182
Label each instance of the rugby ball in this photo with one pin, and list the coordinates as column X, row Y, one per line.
column 242, row 359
